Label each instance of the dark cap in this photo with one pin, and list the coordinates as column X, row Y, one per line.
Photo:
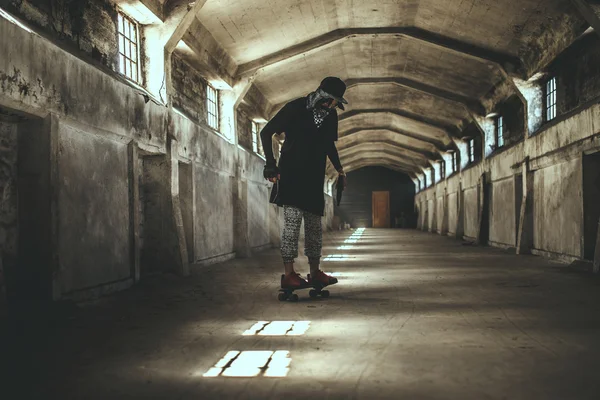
column 336, row 88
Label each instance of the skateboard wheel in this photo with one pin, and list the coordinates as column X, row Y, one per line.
column 325, row 293
column 313, row 293
column 294, row 297
column 282, row 297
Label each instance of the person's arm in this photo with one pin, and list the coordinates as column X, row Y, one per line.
column 276, row 125
column 334, row 157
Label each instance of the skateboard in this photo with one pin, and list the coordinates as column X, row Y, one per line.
column 315, row 291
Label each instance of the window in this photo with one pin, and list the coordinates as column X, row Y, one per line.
column 255, row 137
column 499, row 132
column 128, row 48
column 551, row 99
column 471, row 150
column 212, row 101
column 443, row 169
column 454, row 162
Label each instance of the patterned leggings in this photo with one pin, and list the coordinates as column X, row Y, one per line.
column 313, row 235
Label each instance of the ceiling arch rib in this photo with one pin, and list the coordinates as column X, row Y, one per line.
column 367, row 148
column 410, row 151
column 469, row 104
column 383, row 156
column 395, row 123
column 379, row 162
column 401, row 113
column 505, row 62
column 451, row 129
column 373, row 163
column 434, row 113
column 400, row 139
column 439, row 146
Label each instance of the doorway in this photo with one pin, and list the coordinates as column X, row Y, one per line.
column 518, row 203
column 186, row 199
column 155, row 239
column 26, row 240
column 591, row 203
column 381, row 209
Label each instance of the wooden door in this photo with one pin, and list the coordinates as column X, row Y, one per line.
column 381, row 209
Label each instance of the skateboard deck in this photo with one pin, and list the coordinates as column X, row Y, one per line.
column 316, row 290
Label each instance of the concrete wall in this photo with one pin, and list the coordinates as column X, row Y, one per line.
column 212, row 197
column 93, row 209
column 85, row 26
column 558, row 210
column 551, row 154
column 453, row 213
column 190, row 90
column 8, row 204
column 440, row 213
column 502, row 213
column 577, row 74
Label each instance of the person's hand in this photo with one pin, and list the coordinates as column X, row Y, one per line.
column 342, row 180
column 271, row 173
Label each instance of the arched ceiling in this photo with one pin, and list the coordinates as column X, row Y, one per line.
column 418, row 71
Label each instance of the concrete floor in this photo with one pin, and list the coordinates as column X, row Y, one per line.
column 415, row 316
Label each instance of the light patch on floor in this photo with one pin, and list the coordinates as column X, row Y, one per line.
column 249, row 364
column 278, row 328
column 336, row 257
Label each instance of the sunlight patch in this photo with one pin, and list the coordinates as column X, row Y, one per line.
column 249, row 364
column 336, row 257
column 278, row 328
column 13, row 20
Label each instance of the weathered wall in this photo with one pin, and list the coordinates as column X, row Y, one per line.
column 439, row 212
column 452, row 213
column 558, row 208
column 553, row 155
column 8, row 203
column 156, row 232
column 577, row 73
column 502, row 213
column 471, row 212
column 98, row 144
column 190, row 91
column 244, row 128
column 89, row 27
column 93, row 209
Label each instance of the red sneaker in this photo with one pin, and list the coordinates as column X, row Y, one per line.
column 321, row 278
column 293, row 281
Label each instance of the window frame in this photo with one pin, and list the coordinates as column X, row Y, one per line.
column 254, row 136
column 124, row 45
column 443, row 169
column 551, row 100
column 471, row 150
column 499, row 132
column 212, row 107
column 454, row 162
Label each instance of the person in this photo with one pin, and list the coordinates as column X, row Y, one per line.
column 311, row 129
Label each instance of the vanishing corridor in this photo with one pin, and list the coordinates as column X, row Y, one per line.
column 415, row 315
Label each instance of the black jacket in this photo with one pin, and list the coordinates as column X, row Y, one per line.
column 303, row 156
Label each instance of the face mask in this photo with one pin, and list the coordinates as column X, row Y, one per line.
column 326, row 105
